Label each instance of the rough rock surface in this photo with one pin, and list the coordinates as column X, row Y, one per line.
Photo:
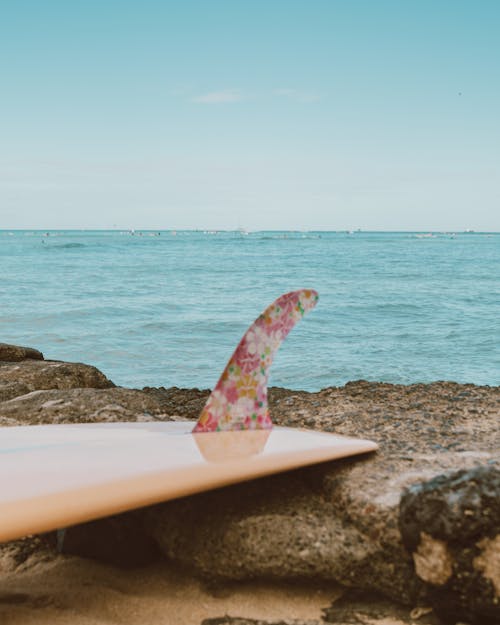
column 80, row 405
column 23, row 554
column 363, row 608
column 34, row 375
column 451, row 525
column 183, row 402
column 8, row 390
column 338, row 520
column 353, row 608
column 15, row 353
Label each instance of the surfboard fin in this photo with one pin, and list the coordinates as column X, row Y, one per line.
column 239, row 399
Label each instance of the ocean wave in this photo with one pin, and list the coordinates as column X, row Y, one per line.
column 65, row 246
column 171, row 313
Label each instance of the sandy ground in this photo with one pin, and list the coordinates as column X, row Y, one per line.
column 73, row 591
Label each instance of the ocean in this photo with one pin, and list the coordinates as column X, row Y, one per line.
column 167, row 309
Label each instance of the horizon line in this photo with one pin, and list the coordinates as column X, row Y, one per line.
column 249, row 231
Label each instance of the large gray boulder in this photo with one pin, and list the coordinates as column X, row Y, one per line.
column 337, row 521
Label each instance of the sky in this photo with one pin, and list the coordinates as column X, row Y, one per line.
column 256, row 114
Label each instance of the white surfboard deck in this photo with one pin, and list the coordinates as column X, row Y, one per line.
column 53, row 476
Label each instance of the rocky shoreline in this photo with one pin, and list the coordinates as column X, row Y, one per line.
column 412, row 531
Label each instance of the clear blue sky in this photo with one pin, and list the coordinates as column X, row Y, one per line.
column 318, row 114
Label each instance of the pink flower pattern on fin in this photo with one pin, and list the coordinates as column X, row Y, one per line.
column 239, row 400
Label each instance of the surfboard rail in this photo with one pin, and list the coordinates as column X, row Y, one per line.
column 53, row 476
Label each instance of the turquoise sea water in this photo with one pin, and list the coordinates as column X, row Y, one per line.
column 168, row 309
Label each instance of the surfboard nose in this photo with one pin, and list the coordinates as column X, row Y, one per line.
column 239, row 399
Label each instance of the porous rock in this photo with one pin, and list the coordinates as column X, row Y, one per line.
column 362, row 608
column 8, row 390
column 352, row 608
column 23, row 554
column 15, row 353
column 339, row 520
column 184, row 402
column 80, row 405
column 33, row 375
column 336, row 521
column 451, row 525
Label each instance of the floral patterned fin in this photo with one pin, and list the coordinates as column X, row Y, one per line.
column 239, row 400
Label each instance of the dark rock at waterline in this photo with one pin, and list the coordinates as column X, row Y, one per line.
column 36, row 375
column 451, row 525
column 186, row 403
column 81, row 405
column 16, row 353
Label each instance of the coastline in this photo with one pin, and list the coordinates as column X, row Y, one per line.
column 282, row 547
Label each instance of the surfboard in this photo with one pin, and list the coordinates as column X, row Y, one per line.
column 53, row 476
